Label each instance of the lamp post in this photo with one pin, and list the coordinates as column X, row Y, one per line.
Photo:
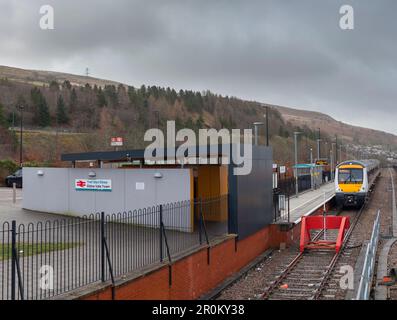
column 340, row 153
column 256, row 125
column 336, row 149
column 332, row 165
column 296, row 162
column 21, row 108
column 267, row 126
column 318, row 144
column 333, row 160
column 326, row 151
column 311, row 169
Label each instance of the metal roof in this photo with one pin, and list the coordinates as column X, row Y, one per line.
column 305, row 165
column 139, row 154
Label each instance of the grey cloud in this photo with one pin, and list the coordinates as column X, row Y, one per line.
column 283, row 52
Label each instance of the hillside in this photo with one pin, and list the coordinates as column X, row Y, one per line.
column 330, row 126
column 40, row 78
column 70, row 113
column 94, row 111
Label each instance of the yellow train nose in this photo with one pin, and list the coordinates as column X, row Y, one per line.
column 350, row 188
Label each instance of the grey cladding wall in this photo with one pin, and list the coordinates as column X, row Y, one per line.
column 55, row 191
column 251, row 198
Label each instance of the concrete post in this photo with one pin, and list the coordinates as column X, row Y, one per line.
column 14, row 193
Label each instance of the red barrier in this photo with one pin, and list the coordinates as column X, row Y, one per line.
column 317, row 223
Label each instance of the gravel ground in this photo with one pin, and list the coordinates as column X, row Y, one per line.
column 257, row 279
column 392, row 261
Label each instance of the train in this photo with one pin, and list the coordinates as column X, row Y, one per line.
column 352, row 181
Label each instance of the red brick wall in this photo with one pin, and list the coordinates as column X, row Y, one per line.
column 192, row 276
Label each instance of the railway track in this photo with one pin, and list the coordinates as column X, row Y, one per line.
column 311, row 274
column 316, row 275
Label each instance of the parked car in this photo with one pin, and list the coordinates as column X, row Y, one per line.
column 16, row 177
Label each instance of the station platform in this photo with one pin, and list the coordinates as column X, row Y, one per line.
column 309, row 201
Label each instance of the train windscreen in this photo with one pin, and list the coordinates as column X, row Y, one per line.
column 347, row 176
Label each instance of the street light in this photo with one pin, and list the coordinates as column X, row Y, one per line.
column 21, row 108
column 318, row 144
column 332, row 158
column 267, row 125
column 326, row 151
column 296, row 161
column 311, row 168
column 256, row 125
column 336, row 150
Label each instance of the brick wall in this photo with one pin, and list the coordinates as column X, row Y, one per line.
column 192, row 276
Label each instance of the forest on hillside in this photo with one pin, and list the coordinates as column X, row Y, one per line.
column 61, row 117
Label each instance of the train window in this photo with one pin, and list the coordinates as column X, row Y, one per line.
column 351, row 176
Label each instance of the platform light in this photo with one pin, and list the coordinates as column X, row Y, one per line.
column 158, row 175
column 92, row 174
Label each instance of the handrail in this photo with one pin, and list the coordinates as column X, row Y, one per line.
column 367, row 273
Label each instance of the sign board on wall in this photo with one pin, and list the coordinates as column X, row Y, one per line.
column 116, row 142
column 93, row 185
column 282, row 169
column 140, row 186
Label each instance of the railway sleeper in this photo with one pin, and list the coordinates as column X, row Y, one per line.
column 280, row 295
column 304, row 290
column 297, row 274
column 300, row 279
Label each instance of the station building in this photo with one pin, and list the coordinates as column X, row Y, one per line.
column 122, row 181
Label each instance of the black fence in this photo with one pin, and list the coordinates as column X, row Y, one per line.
column 287, row 186
column 46, row 259
column 281, row 207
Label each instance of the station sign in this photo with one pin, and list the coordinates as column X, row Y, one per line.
column 322, row 162
column 283, row 169
column 116, row 142
column 93, row 185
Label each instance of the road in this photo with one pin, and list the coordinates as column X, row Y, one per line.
column 10, row 211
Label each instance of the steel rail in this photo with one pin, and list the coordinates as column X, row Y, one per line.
column 287, row 270
column 334, row 260
column 346, row 239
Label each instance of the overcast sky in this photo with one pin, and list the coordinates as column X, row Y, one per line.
column 286, row 52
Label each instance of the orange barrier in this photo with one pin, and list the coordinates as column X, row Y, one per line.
column 317, row 223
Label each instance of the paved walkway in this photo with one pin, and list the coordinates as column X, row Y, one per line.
column 10, row 211
column 309, row 201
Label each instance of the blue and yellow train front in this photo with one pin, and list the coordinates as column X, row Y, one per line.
column 351, row 189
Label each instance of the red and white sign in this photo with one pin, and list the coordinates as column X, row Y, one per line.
column 116, row 142
column 93, row 185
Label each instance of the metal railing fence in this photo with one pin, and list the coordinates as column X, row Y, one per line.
column 287, row 186
column 45, row 259
column 364, row 288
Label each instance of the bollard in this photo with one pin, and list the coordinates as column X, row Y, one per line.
column 14, row 193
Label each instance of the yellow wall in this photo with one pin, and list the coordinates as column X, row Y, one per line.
column 213, row 183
